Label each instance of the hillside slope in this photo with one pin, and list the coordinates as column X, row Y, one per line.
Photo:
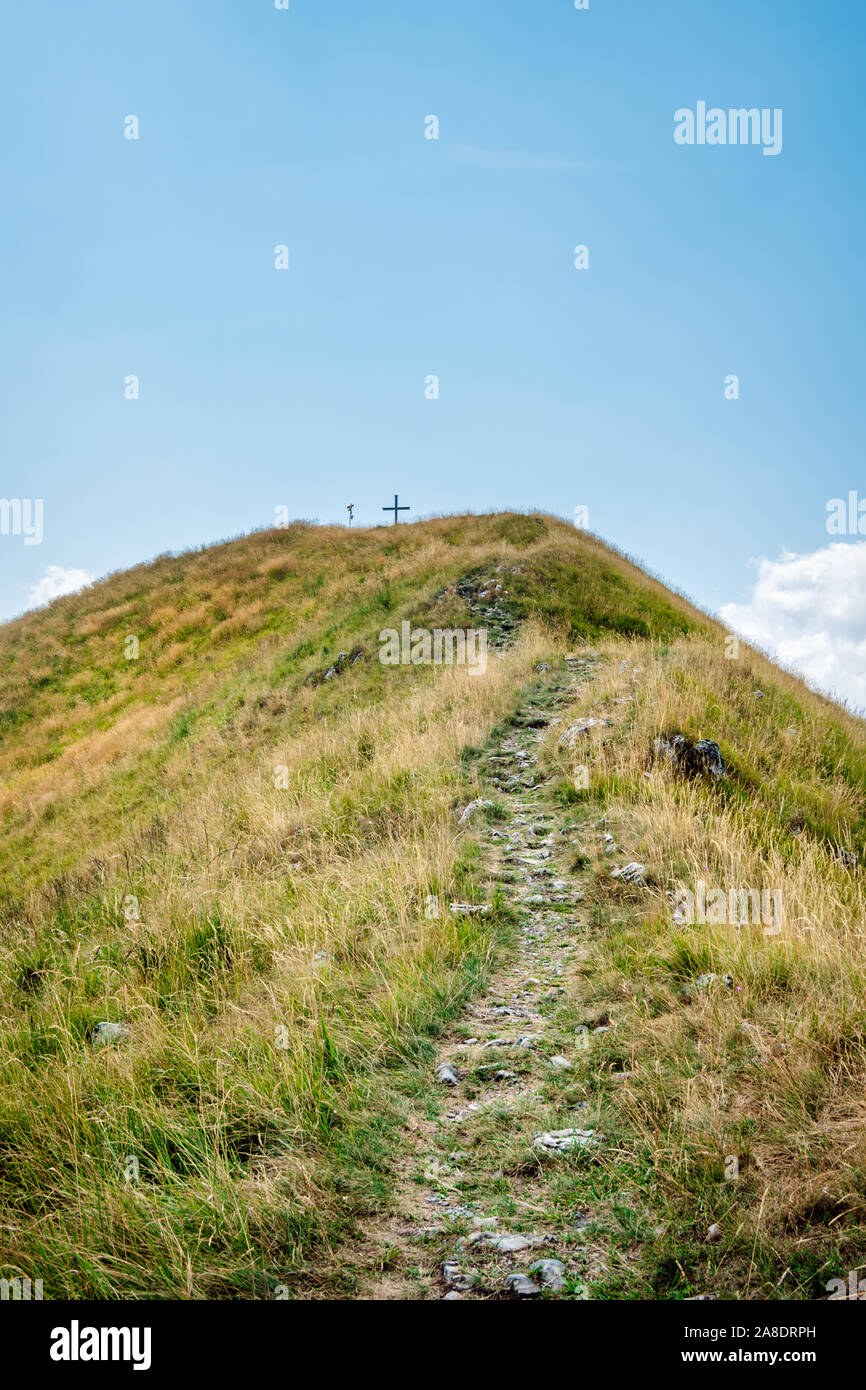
column 230, row 829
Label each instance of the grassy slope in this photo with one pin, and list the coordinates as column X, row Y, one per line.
column 770, row 1069
column 152, row 872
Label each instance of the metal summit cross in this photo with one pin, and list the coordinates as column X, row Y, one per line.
column 395, row 509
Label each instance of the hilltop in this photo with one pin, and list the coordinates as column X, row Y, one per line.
column 230, row 969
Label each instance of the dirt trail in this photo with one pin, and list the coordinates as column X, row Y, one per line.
column 484, row 1202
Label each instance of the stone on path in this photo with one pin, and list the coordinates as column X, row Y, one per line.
column 446, row 1074
column 551, row 1273
column 479, row 804
column 561, row 1140
column 459, row 1278
column 521, row 1285
column 505, row 1244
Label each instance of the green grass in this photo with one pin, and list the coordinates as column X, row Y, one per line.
column 267, row 947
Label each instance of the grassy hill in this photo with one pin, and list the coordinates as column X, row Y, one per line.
column 223, row 821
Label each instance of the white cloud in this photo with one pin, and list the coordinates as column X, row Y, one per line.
column 809, row 611
column 56, row 581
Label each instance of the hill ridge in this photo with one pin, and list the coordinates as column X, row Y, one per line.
column 229, row 863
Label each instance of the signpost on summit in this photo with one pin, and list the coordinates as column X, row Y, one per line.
column 395, row 509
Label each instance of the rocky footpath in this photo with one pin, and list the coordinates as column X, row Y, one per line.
column 486, row 1205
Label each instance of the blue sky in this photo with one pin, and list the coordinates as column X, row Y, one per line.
column 411, row 257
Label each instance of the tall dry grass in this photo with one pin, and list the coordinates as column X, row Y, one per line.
column 278, row 975
column 764, row 1064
